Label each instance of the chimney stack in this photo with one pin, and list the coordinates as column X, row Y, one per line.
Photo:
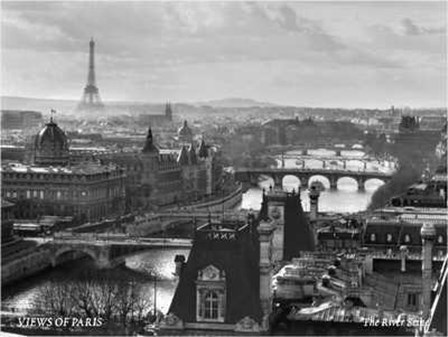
column 428, row 234
column 314, row 194
column 403, row 253
column 179, row 260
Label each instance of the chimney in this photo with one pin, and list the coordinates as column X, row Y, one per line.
column 266, row 230
column 314, row 194
column 179, row 260
column 403, row 253
column 428, row 234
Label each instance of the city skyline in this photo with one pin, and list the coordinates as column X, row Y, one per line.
column 356, row 54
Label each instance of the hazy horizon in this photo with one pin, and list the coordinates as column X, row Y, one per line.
column 320, row 54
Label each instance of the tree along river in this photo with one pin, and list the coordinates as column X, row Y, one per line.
column 141, row 267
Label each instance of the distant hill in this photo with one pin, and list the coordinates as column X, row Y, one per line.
column 38, row 104
column 234, row 102
column 68, row 107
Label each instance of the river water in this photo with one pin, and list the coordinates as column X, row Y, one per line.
column 346, row 198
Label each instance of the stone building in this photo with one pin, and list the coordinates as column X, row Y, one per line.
column 156, row 177
column 20, row 119
column 52, row 185
column 154, row 119
column 218, row 290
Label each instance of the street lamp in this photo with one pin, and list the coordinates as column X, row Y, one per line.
column 154, row 277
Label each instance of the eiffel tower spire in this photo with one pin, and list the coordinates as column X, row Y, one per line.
column 91, row 97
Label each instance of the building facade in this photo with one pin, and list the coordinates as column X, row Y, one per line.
column 51, row 185
column 156, row 177
column 156, row 119
column 20, row 119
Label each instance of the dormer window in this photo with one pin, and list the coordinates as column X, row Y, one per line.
column 372, row 237
column 210, row 295
column 389, row 238
column 407, row 238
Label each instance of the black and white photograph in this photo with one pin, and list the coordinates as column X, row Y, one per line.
column 223, row 168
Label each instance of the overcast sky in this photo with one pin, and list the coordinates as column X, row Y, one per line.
column 345, row 54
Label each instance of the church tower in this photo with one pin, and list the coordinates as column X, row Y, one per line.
column 168, row 112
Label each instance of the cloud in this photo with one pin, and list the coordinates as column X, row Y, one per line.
column 195, row 46
column 409, row 27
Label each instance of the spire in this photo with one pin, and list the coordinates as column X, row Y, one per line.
column 202, row 151
column 149, row 144
column 192, row 154
column 168, row 111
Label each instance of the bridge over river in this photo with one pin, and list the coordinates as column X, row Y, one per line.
column 251, row 175
column 107, row 250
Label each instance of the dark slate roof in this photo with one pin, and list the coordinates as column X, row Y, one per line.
column 439, row 307
column 183, row 158
column 52, row 134
column 149, row 144
column 239, row 260
column 203, row 150
column 192, row 154
column 399, row 230
column 297, row 233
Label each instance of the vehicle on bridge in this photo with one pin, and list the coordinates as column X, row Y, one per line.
column 31, row 229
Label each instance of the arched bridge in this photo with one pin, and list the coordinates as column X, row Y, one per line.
column 251, row 175
column 328, row 161
column 107, row 250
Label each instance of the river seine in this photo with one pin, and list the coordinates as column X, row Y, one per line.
column 346, row 198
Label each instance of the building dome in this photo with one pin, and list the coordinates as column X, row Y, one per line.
column 51, row 145
column 184, row 133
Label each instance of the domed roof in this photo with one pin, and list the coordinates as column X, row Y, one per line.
column 51, row 133
column 184, row 130
column 51, row 145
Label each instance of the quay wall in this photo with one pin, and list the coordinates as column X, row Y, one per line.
column 26, row 265
column 33, row 263
column 229, row 201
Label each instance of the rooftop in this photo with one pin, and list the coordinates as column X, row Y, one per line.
column 82, row 168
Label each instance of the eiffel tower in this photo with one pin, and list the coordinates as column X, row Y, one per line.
column 91, row 98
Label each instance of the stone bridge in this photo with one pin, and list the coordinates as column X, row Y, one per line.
column 328, row 161
column 251, row 176
column 305, row 147
column 107, row 250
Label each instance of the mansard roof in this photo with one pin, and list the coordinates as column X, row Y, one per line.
column 234, row 250
column 297, row 233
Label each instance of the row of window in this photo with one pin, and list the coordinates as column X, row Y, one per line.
column 406, row 239
column 68, row 177
column 61, row 195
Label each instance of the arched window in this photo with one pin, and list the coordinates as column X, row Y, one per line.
column 389, row 237
column 407, row 238
column 440, row 239
column 372, row 237
column 211, row 294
